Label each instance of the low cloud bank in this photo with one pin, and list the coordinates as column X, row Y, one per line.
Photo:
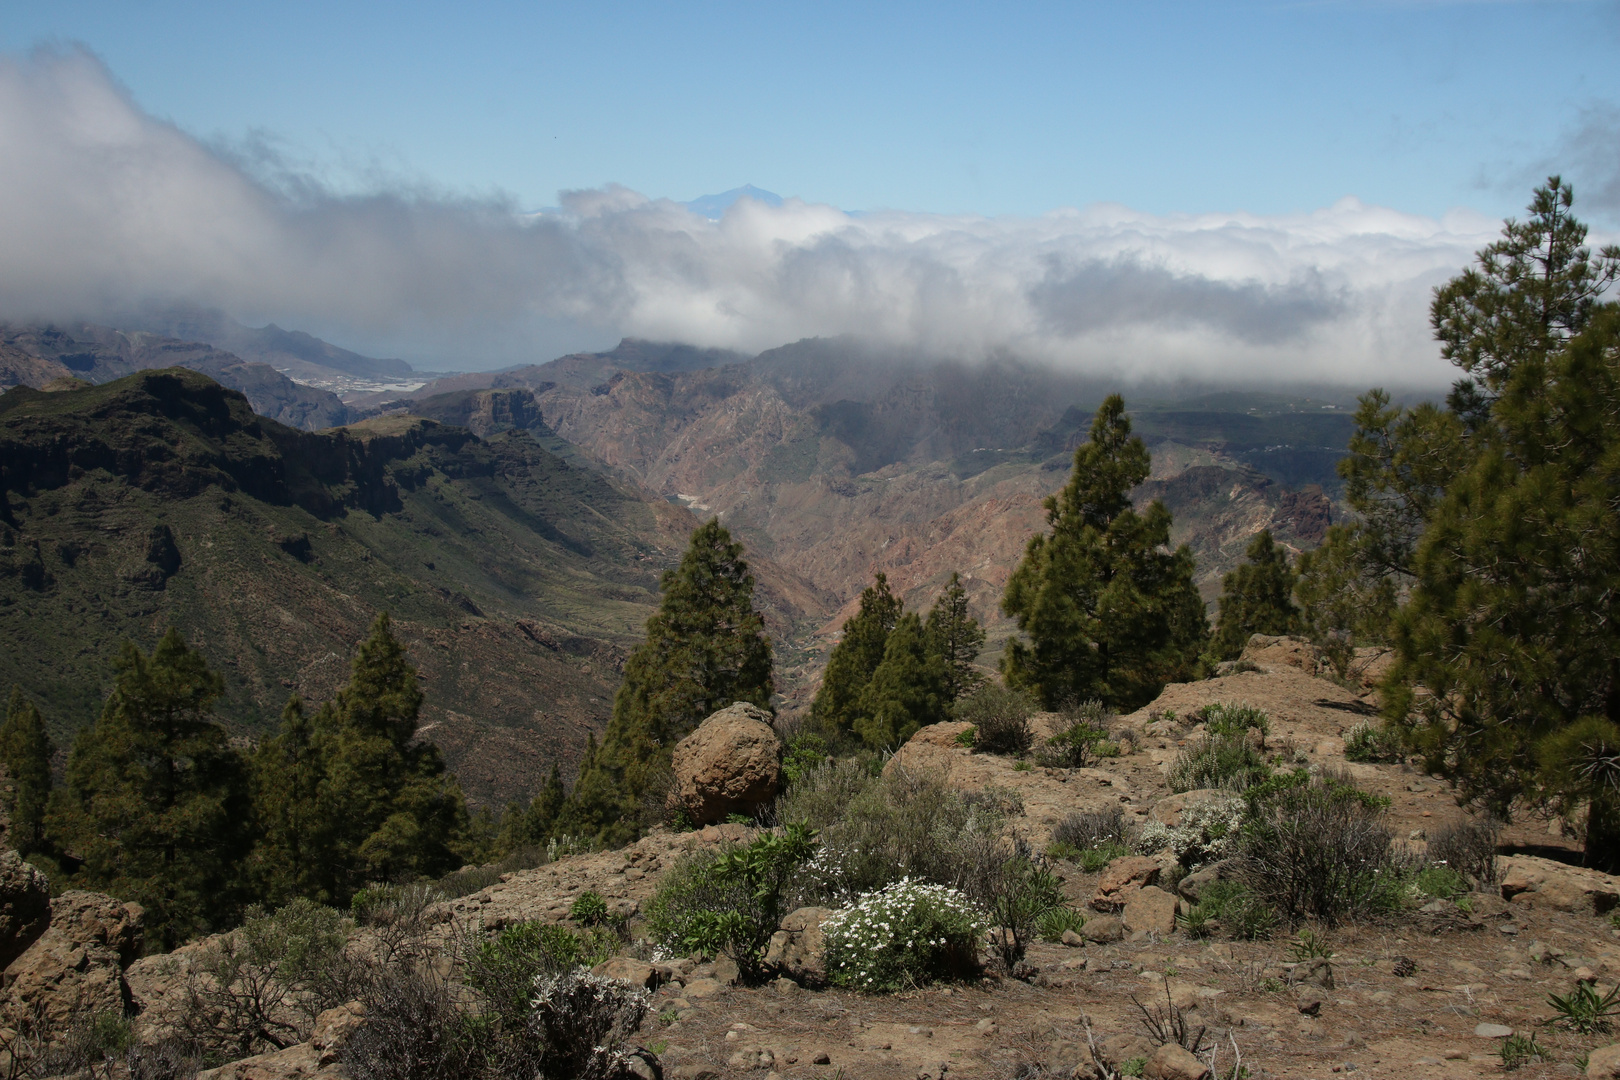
column 105, row 209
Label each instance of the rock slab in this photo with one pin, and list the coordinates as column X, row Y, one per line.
column 730, row 765
column 25, row 906
column 1173, row 1062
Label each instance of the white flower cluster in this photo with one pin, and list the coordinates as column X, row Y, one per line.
column 905, row 933
column 1208, row 831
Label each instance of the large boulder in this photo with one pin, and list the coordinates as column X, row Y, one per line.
column 1122, row 878
column 798, row 951
column 25, row 906
column 1604, row 1062
column 1152, row 910
column 731, row 764
column 1531, row 881
column 76, row 967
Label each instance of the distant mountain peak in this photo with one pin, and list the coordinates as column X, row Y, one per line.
column 715, row 206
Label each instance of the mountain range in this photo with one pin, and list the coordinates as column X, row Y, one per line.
column 515, row 522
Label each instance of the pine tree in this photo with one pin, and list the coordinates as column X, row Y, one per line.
column 155, row 802
column 535, row 824
column 908, row 691
column 856, row 657
column 956, row 637
column 1107, row 611
column 287, row 773
column 25, row 750
column 1256, row 598
column 705, row 649
column 351, row 795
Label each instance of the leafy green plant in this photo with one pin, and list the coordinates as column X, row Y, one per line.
column 903, row 935
column 1000, row 718
column 733, row 902
column 589, row 910
column 1074, row 747
column 1052, row 925
column 1018, row 894
column 805, row 751
column 1309, row 945
column 503, row 967
column 1520, row 1050
column 1367, row 742
column 966, row 737
column 1058, row 851
column 1222, row 720
column 1583, row 1011
column 1097, row 858
column 1135, row 1066
column 1441, row 882
column 1021, row 765
column 1220, row 761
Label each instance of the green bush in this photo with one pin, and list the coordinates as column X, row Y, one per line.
column 806, row 751
column 1052, row 925
column 503, row 967
column 1208, row 831
column 1097, row 858
column 1219, row 761
column 1222, row 720
column 1365, row 742
column 823, row 794
column 731, row 902
column 1318, row 848
column 1074, row 747
column 1441, row 883
column 1000, row 718
column 1017, row 894
column 904, row 935
column 589, row 910
column 1468, row 847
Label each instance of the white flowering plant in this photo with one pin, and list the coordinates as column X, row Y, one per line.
column 903, row 935
column 1208, row 832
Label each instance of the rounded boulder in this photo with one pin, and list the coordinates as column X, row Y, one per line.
column 730, row 765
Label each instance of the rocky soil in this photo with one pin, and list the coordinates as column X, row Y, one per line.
column 1429, row 994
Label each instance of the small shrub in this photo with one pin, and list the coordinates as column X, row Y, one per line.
column 1085, row 829
column 1310, row 945
column 468, row 880
column 1208, row 832
column 589, row 910
column 1016, row 894
column 1367, row 742
column 1441, row 883
column 1317, row 848
column 1248, row 917
column 261, row 986
column 1232, row 906
column 1468, row 847
column 1052, row 925
column 1000, row 718
column 1520, row 1050
column 966, row 737
column 1021, row 766
column 1061, row 852
column 1097, row 858
column 168, row 1059
column 1168, row 1023
column 824, row 794
column 1222, row 720
column 731, row 902
column 503, row 967
column 581, row 1023
column 412, row 1030
column 1226, row 761
column 1074, row 747
column 901, row 936
column 92, row 1045
column 1584, row 1012
column 806, row 751
column 1133, row 1067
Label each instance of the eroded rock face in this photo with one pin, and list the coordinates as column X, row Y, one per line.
column 25, row 906
column 76, row 967
column 731, row 764
column 1123, row 877
column 1538, row 882
column 320, row 1056
column 798, row 951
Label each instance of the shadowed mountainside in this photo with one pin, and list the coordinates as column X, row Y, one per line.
column 518, row 579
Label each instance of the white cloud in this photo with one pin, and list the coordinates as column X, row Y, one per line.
column 104, row 208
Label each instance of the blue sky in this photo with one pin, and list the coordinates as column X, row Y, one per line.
column 1242, row 191
column 1000, row 108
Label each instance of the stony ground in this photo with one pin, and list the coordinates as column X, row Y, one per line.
column 1493, row 967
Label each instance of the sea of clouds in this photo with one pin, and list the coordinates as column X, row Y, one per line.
column 106, row 209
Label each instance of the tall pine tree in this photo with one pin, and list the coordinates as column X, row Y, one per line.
column 1256, row 598
column 856, row 657
column 1106, row 609
column 156, row 802
column 909, row 689
column 383, row 807
column 25, row 750
column 956, row 637
column 705, row 649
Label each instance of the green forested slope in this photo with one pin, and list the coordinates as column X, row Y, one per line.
column 162, row 499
